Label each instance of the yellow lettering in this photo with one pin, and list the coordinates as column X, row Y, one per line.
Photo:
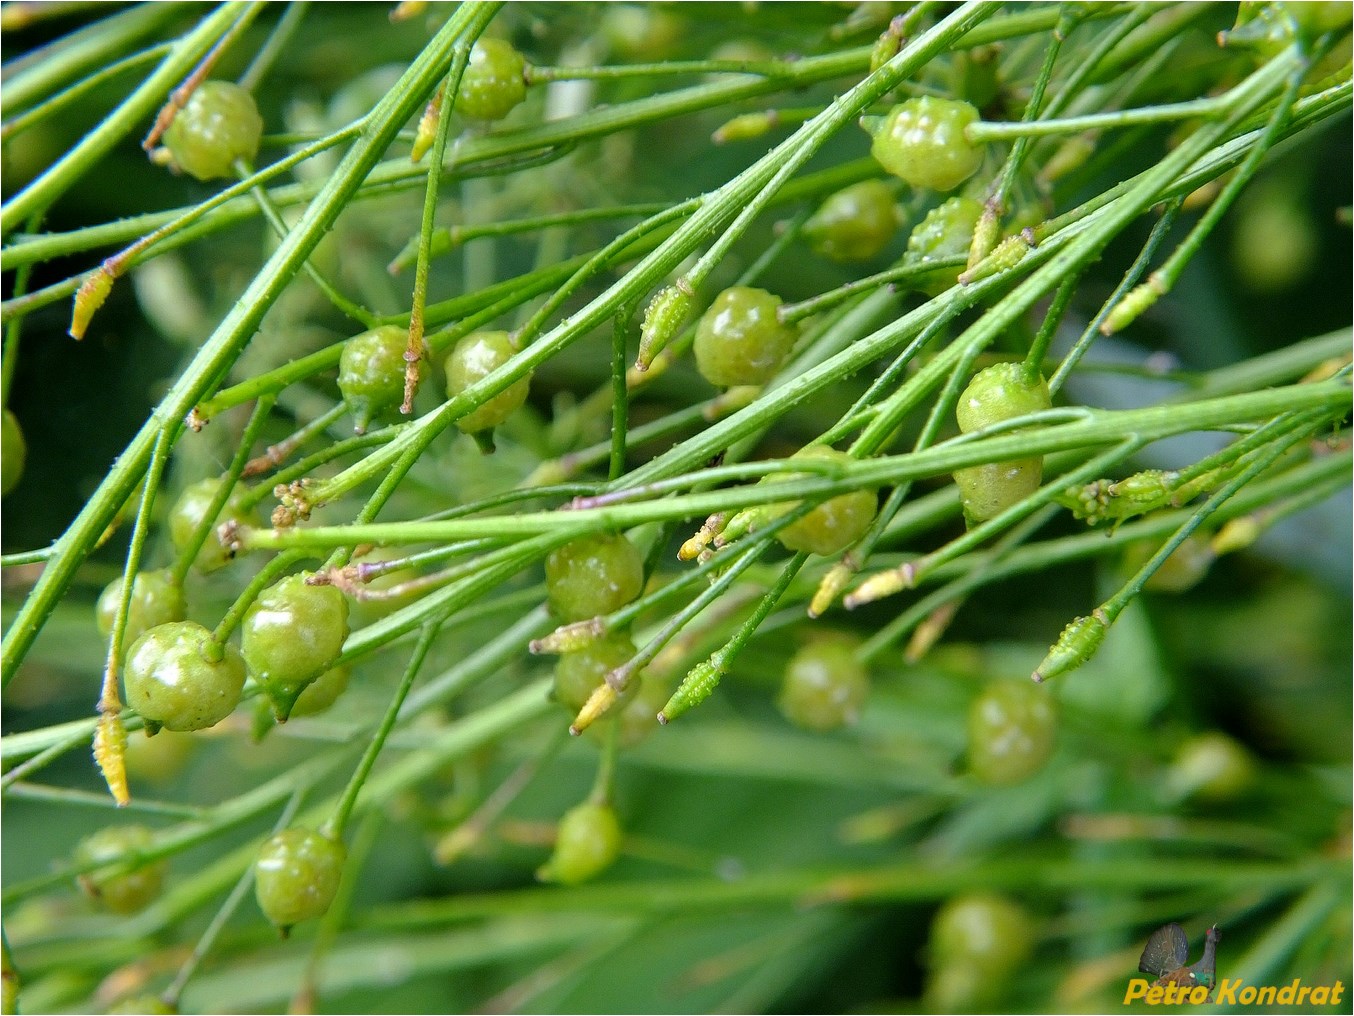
column 1336, row 992
column 1227, row 990
column 1198, row 995
column 1267, row 995
column 1303, row 992
column 1154, row 994
column 1321, row 994
column 1287, row 993
column 1137, row 988
column 1247, row 994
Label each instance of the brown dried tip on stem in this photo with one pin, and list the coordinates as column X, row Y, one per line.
column 195, row 421
column 412, row 356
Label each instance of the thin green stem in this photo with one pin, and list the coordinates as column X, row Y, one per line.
column 278, row 39
column 620, row 396
column 1048, row 328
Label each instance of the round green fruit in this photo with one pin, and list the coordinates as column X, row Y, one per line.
column 176, row 677
column 835, row 524
column 1012, row 730
column 1000, row 393
column 291, row 635
column 740, row 340
column 587, row 843
column 1211, row 767
column 322, row 692
column 474, row 358
column 986, row 932
column 922, row 141
column 593, row 575
column 13, row 452
column 296, row 876
column 494, row 82
column 579, row 674
column 825, row 685
column 218, row 125
column 117, row 885
column 988, row 490
column 855, row 223
column 156, row 600
column 188, row 514
column 946, row 232
column 371, row 373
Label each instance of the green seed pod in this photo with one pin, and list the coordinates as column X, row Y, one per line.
column 115, row 886
column 474, row 358
column 176, row 677
column 1077, row 644
column 291, row 635
column 996, row 394
column 494, row 82
column 946, row 232
column 740, row 340
column 296, row 876
column 13, row 452
column 855, row 223
column 156, row 600
column 322, row 692
column 189, row 511
column 371, row 373
column 218, row 125
column 922, row 141
column 1012, row 727
column 593, row 575
column 1211, row 767
column 977, row 942
column 835, row 524
column 587, row 843
column 666, row 313
column 579, row 674
column 825, row 684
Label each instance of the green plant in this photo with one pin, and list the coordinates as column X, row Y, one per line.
column 114, row 879
column 218, row 126
column 13, row 452
column 825, row 685
column 156, row 599
column 296, row 876
column 1012, row 730
column 665, row 508
column 586, row 844
column 923, row 142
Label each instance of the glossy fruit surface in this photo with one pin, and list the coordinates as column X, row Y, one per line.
column 13, row 452
column 219, row 124
column 188, row 513
column 494, row 81
column 946, row 232
column 825, row 685
column 996, row 394
column 593, row 575
column 922, row 142
column 989, row 931
column 740, row 340
column 475, row 357
column 835, row 524
column 988, row 490
column 999, row 393
column 579, row 674
column 291, row 634
column 121, row 890
column 1012, row 730
column 156, row 600
column 587, row 843
column 296, row 875
column 172, row 679
column 323, row 692
column 371, row 373
column 855, row 223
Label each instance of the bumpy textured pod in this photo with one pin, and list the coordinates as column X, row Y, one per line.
column 371, row 373
column 218, row 125
column 666, row 313
column 922, row 141
column 1077, row 644
column 740, row 340
column 474, row 358
column 296, row 876
column 176, row 677
column 946, row 232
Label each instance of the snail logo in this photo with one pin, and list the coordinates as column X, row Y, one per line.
column 1166, row 955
